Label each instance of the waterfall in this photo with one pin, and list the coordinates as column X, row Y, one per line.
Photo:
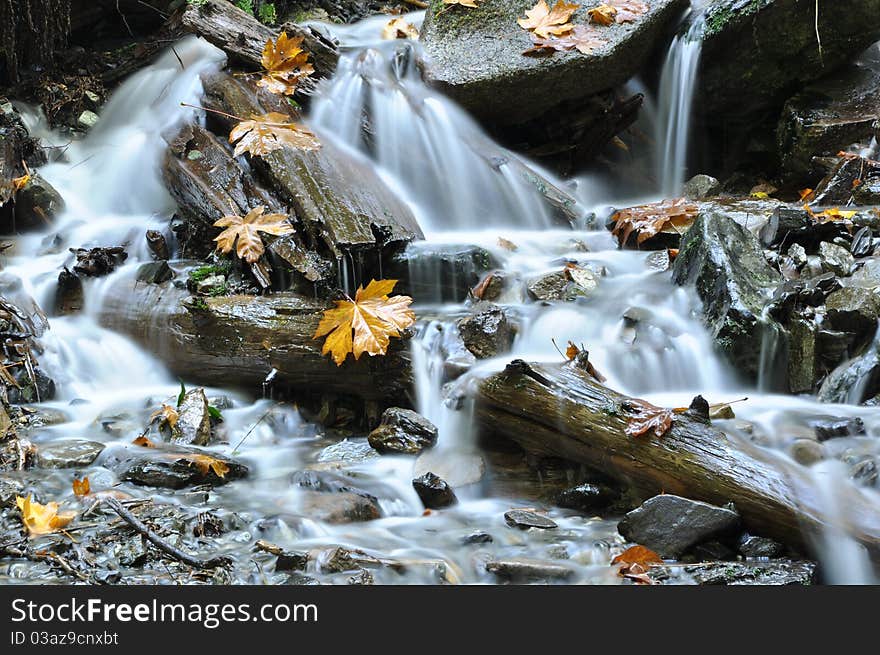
column 678, row 82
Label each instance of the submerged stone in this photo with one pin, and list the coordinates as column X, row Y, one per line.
column 403, row 431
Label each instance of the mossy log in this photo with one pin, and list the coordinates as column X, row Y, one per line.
column 237, row 341
column 560, row 411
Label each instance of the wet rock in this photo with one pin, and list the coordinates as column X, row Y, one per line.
column 854, row 381
column 838, row 187
column 362, row 578
column 828, row 116
column 755, row 547
column 520, row 569
column 441, row 272
column 836, row 259
column 300, row 579
column 798, row 255
column 868, row 192
column 734, row 87
column 807, row 451
column 348, row 450
column 700, row 187
column 558, row 286
column 671, row 525
column 211, row 285
column 587, row 497
column 96, row 262
column 334, row 499
column 194, row 420
column 476, row 58
column 340, row 560
column 712, row 551
column 854, row 309
column 864, row 471
column 69, row 298
column 477, row 538
column 434, row 492
column 176, row 469
column 403, row 431
column 458, row 469
column 155, row 272
column 836, row 428
column 734, row 282
column 70, row 453
column 493, row 285
column 10, row 488
column 488, row 333
column 158, row 245
column 291, row 560
column 780, row 572
column 524, row 519
column 87, row 119
column 862, row 243
column 794, row 225
column 36, row 206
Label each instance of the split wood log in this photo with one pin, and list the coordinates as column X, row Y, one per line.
column 560, row 411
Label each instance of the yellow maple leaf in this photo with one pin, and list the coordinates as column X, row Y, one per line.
column 545, row 22
column 263, row 134
column 398, row 28
column 603, row 14
column 365, row 324
column 205, row 463
column 285, row 64
column 246, row 230
column 18, row 183
column 166, row 414
column 42, row 519
column 82, row 487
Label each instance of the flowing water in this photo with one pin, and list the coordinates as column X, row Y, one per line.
column 642, row 332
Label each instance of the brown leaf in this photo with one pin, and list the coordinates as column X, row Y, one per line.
column 638, row 555
column 264, row 134
column 603, row 14
column 365, row 324
column 42, row 519
column 507, row 244
column 206, row 463
column 649, row 220
column 628, row 11
column 285, row 65
column 479, row 290
column 649, row 418
column 143, row 442
column 167, row 415
column 572, row 351
column 582, row 38
column 806, row 194
column 545, row 22
column 18, row 183
column 82, row 487
column 398, row 28
column 246, row 231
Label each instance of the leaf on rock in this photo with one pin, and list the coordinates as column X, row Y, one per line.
column 269, row 132
column 167, row 415
column 479, row 291
column 207, row 463
column 462, row 3
column 638, row 555
column 805, row 194
column 246, row 231
column 583, row 38
column 602, row 15
column 830, row 215
column 649, row 220
column 365, row 324
column 546, row 22
column 628, row 11
column 648, row 418
column 398, row 28
column 82, row 487
column 285, row 64
column 18, row 183
column 143, row 442
column 42, row 519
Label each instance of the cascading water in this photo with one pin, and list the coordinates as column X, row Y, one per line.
column 678, row 82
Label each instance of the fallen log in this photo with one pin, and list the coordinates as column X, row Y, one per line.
column 242, row 36
column 239, row 340
column 560, row 411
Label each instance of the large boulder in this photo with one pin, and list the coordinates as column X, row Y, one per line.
column 734, row 281
column 475, row 56
column 757, row 53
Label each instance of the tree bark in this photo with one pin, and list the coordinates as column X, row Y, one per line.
column 560, row 411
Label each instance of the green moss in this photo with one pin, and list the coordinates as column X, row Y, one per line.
column 267, row 14
column 456, row 18
column 204, row 272
column 720, row 14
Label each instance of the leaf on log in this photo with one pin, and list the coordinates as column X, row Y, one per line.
column 285, row 65
column 42, row 519
column 648, row 418
column 246, row 232
column 649, row 220
column 264, row 134
column 546, row 22
column 365, row 324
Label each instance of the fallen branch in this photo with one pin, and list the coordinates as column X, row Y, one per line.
column 161, row 544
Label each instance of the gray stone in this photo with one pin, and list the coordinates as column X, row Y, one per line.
column 36, row 206
column 776, row 573
column 194, row 420
column 477, row 538
column 155, row 272
column 434, row 492
column 521, row 569
column 403, row 431
column 754, row 547
column 854, row 381
column 487, row 333
column 587, row 497
column 836, row 259
column 837, row 427
column 441, row 272
column 340, row 507
column 700, row 187
column 176, row 469
column 524, row 519
column 671, row 525
column 457, row 468
column 72, row 453
column 211, row 285
column 853, row 309
column 558, row 286
column 807, row 451
column 87, row 119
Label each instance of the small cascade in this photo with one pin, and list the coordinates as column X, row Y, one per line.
column 677, row 85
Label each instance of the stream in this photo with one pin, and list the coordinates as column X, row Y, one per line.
column 107, row 386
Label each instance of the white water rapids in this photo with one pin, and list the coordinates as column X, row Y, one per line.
column 432, row 154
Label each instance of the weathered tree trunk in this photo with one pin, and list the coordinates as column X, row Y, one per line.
column 560, row 411
column 238, row 340
column 30, row 32
column 242, row 36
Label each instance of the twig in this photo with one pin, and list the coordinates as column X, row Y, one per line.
column 819, row 38
column 254, row 426
column 50, row 558
column 160, row 543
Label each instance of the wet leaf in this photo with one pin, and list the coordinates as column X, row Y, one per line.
column 649, row 220
column 638, row 555
column 602, row 15
column 647, row 419
column 583, row 277
column 546, row 22
column 580, row 358
column 18, row 183
column 143, row 442
column 269, row 132
column 243, row 233
column 398, row 28
column 806, row 194
column 42, row 519
column 167, row 415
column 572, row 351
column 365, row 324
column 480, row 290
column 285, row 65
column 628, row 11
column 207, row 463
column 583, row 38
column 830, row 215
column 82, row 487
